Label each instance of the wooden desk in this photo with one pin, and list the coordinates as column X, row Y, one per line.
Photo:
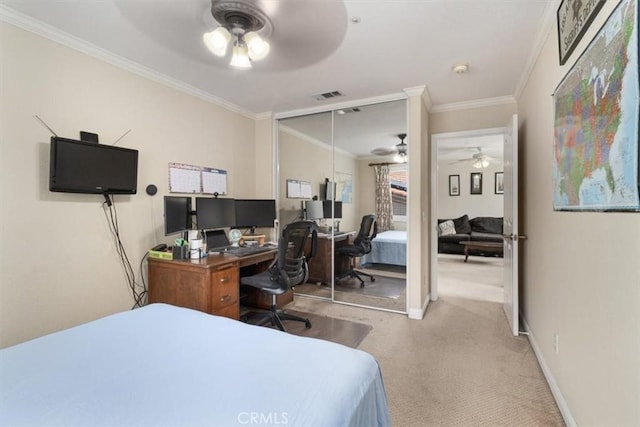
column 210, row 284
column 320, row 270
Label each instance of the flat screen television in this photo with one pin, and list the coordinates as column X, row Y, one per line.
column 212, row 213
column 177, row 214
column 252, row 213
column 90, row 168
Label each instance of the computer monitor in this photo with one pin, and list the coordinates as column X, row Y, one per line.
column 177, row 214
column 212, row 213
column 326, row 209
column 313, row 209
column 252, row 213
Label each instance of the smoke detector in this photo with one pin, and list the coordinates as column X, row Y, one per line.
column 460, row 68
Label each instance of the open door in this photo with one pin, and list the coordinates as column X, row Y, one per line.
column 510, row 226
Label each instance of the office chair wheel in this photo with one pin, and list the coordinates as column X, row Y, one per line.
column 373, row 279
column 307, row 324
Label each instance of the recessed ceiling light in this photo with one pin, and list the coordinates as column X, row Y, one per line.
column 460, row 68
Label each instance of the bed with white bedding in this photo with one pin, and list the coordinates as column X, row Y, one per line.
column 162, row 365
column 388, row 247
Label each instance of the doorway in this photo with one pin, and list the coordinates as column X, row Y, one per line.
column 468, row 182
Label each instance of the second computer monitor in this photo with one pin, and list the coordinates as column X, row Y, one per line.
column 252, row 213
column 212, row 213
column 326, row 209
column 177, row 214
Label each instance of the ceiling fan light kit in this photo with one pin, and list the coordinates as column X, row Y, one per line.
column 480, row 163
column 400, row 150
column 240, row 23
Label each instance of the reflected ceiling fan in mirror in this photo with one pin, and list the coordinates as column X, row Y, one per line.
column 478, row 160
column 400, row 150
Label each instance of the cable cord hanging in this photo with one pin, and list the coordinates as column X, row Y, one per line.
column 139, row 291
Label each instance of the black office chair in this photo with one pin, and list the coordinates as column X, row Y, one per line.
column 361, row 246
column 289, row 269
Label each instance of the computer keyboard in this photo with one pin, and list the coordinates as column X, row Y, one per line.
column 247, row 250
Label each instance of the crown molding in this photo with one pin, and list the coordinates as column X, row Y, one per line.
column 478, row 103
column 414, row 91
column 337, row 106
column 32, row 25
column 264, row 116
column 541, row 38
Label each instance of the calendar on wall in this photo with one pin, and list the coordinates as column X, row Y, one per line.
column 185, row 178
column 298, row 189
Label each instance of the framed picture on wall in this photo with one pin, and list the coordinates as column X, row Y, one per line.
column 476, row 182
column 574, row 17
column 454, row 185
column 499, row 183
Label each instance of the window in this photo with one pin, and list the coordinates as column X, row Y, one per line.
column 398, row 180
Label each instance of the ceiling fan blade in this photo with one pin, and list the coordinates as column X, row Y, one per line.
column 384, row 151
column 462, row 161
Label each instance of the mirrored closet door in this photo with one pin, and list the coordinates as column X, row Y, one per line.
column 350, row 167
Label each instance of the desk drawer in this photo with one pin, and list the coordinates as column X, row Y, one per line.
column 224, row 288
column 232, row 312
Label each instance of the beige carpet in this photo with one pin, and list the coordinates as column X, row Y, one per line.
column 459, row 366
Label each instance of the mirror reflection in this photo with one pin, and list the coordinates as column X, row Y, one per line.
column 346, row 170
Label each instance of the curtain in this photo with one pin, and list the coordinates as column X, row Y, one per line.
column 384, row 208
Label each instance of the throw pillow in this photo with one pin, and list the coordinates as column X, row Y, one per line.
column 462, row 225
column 446, row 228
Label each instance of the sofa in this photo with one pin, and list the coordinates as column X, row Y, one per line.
column 483, row 228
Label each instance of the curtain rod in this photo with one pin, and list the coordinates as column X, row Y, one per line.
column 384, row 164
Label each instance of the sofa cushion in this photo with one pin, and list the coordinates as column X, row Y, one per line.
column 454, row 238
column 461, row 224
column 446, row 228
column 486, row 224
column 486, row 237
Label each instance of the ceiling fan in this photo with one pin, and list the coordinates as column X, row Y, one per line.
column 478, row 160
column 400, row 150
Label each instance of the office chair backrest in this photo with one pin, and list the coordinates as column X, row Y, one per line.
column 290, row 268
column 368, row 230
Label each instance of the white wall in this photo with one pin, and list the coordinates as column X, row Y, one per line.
column 486, row 204
column 581, row 275
column 58, row 263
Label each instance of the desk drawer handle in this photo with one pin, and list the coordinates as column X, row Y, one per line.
column 225, row 298
column 224, row 279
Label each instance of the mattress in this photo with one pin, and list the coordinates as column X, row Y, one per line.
column 163, row 365
column 388, row 247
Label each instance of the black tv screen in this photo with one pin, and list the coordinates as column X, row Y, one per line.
column 214, row 213
column 85, row 167
column 177, row 214
column 255, row 213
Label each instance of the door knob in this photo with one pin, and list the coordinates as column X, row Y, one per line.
column 514, row 237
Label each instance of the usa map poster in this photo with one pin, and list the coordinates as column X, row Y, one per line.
column 596, row 121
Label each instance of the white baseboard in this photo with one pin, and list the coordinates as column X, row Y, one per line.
column 418, row 314
column 555, row 390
